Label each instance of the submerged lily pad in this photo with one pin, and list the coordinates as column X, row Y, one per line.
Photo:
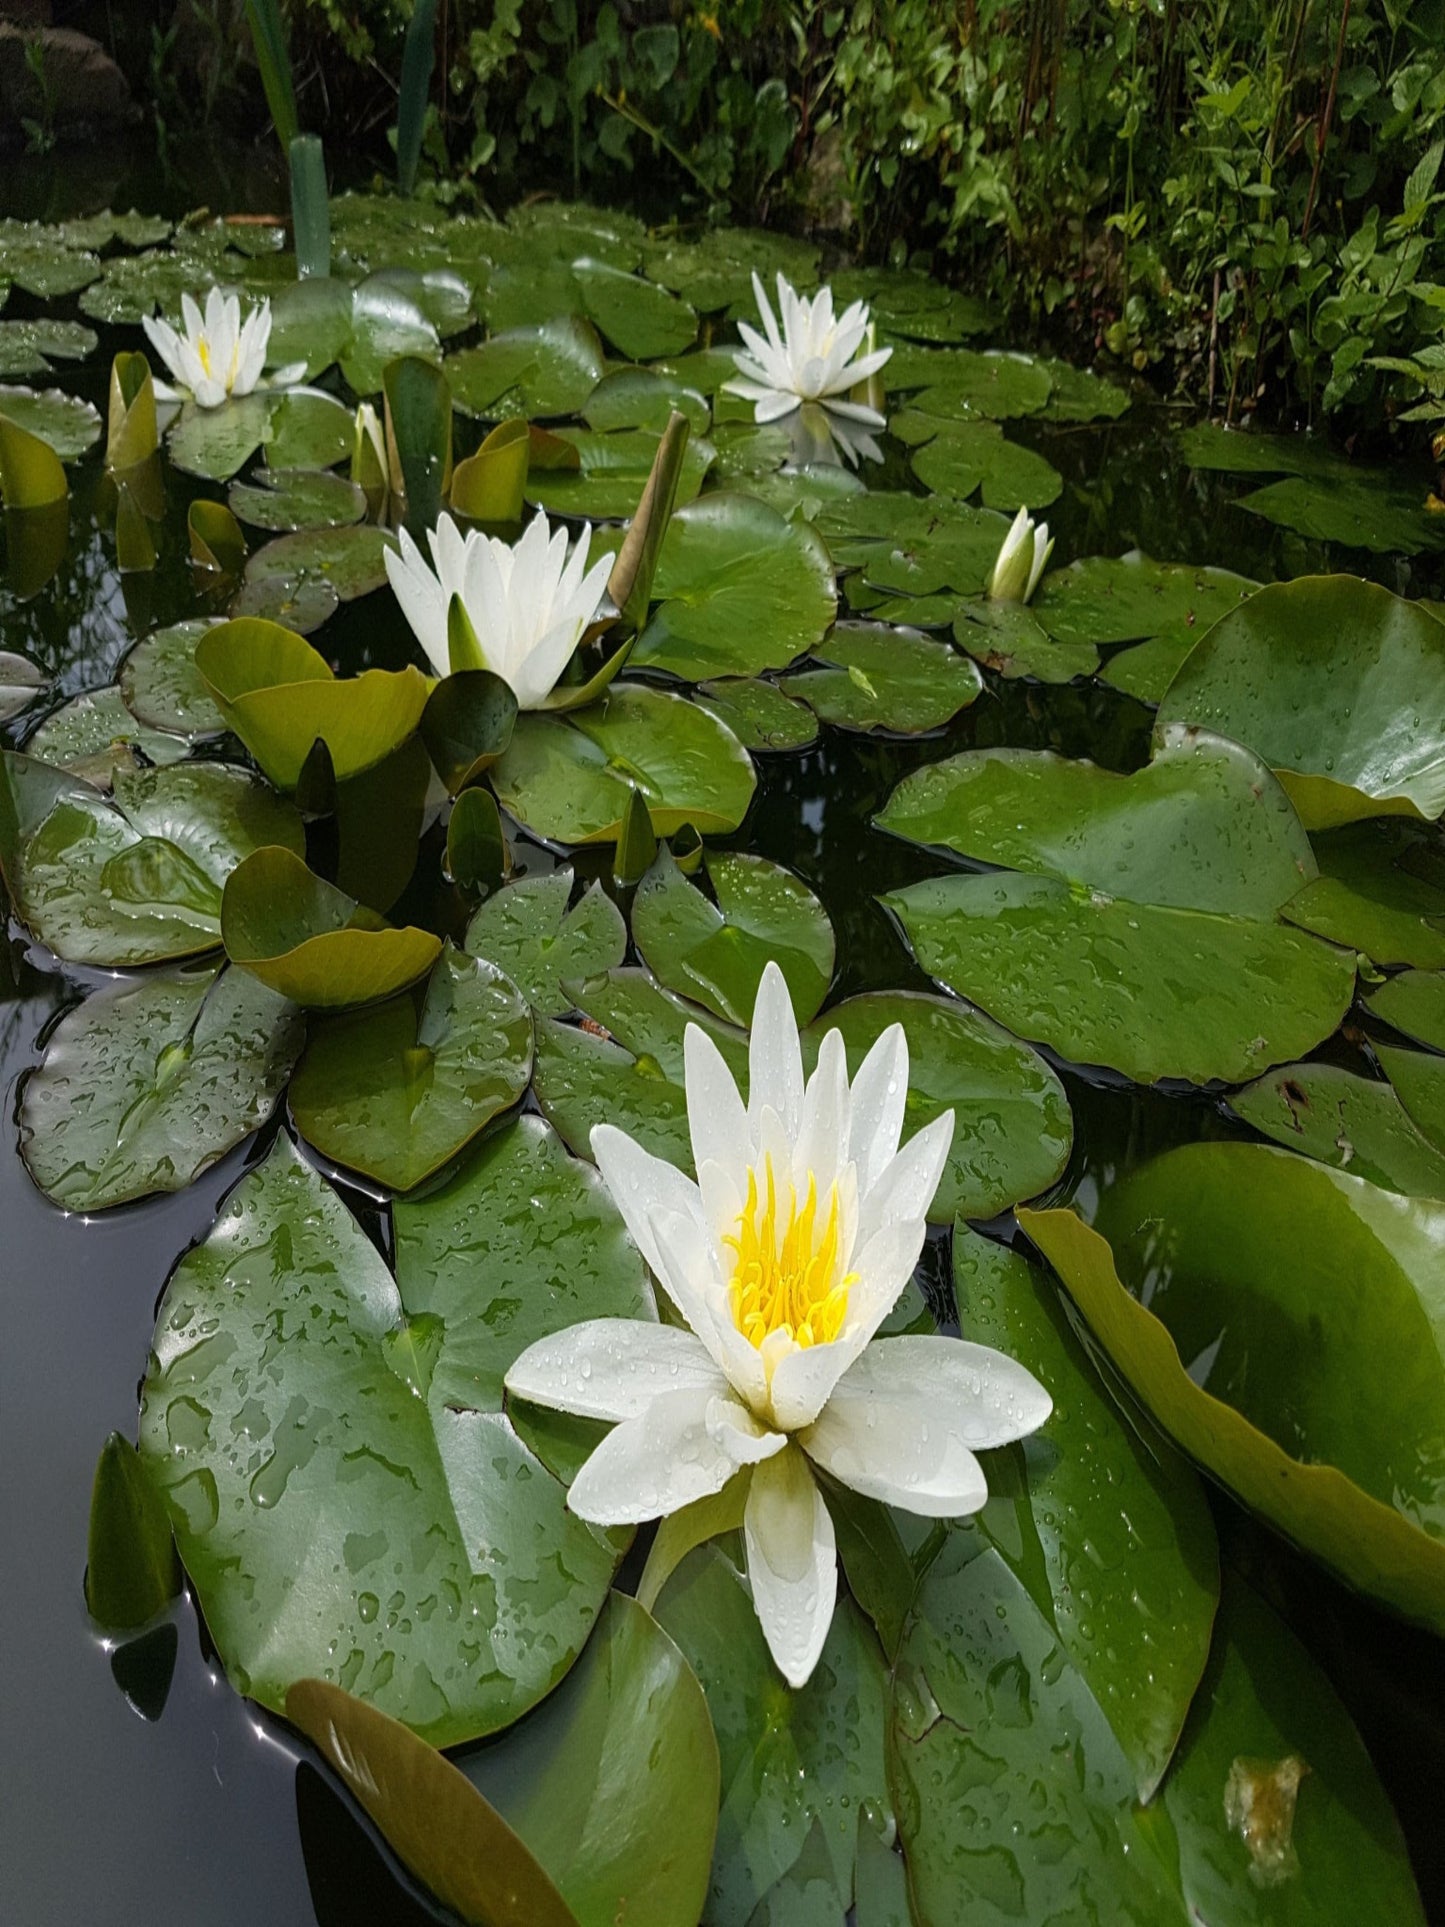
column 1149, row 990
column 1149, row 1552
column 528, row 931
column 1012, row 1126
column 398, row 1090
column 715, row 952
column 1338, row 685
column 880, row 678
column 145, row 1085
column 741, row 590
column 570, row 781
column 1257, row 1266
column 302, row 1411
column 137, row 878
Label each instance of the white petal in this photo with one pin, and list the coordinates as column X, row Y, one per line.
column 166, row 342
column 792, row 1563
column 904, row 1421
column 822, row 1141
column 690, row 1277
column 647, row 1190
column 775, row 1058
column 905, row 1187
column 420, row 598
column 878, row 1098
column 716, row 1117
column 735, row 1431
column 612, row 1368
column 650, row 1466
column 773, row 407
column 208, row 392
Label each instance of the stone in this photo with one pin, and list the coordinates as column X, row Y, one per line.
column 83, row 93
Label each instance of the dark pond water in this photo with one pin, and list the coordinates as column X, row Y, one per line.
column 139, row 1788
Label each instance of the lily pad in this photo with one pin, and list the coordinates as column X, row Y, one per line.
column 310, row 941
column 642, row 320
column 1149, row 990
column 611, row 473
column 1112, row 1577
column 1011, row 1744
column 528, row 931
column 1366, row 898
column 1236, row 451
column 644, row 398
column 21, row 681
column 1146, row 669
column 137, row 878
column 281, row 697
column 217, row 443
column 162, row 686
column 965, row 455
column 1338, row 685
column 1414, row 1002
column 537, row 372
column 342, row 564
column 1012, row 1126
column 1355, row 1124
column 144, row 1086
column 1366, row 510
column 297, row 498
column 1258, row 1266
column 993, row 385
column 741, row 590
column 1419, row 1080
column 64, row 422
column 302, row 1411
column 30, row 347
column 912, row 544
column 1102, row 599
column 891, row 679
column 791, row 1760
column 715, row 951
column 1202, row 827
column 759, row 714
column 570, row 781
column 94, row 734
column 309, row 429
column 395, row 1092
column 1009, row 639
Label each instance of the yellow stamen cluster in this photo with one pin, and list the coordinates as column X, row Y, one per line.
column 788, row 1276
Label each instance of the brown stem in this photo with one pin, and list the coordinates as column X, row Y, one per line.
column 1326, row 115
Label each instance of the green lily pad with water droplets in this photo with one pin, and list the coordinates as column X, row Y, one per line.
column 1103, row 599
column 994, row 386
column 21, row 681
column 1009, row 639
column 612, row 472
column 759, row 714
column 715, row 951
column 528, row 931
column 309, row 429
column 1148, row 990
column 1419, row 1081
column 569, row 780
column 347, row 562
column 740, row 588
column 283, row 499
column 95, row 733
column 1114, row 1572
column 162, row 687
column 1367, row 897
column 541, row 371
column 398, row 1090
column 302, row 1412
column 1363, row 511
column 144, row 1085
column 644, row 398
column 66, row 423
column 31, row 347
column 1414, row 1002
column 888, row 679
column 137, row 878
column 1338, row 685
column 216, row 443
column 966, row 455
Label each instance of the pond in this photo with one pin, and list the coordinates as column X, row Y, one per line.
column 1141, row 991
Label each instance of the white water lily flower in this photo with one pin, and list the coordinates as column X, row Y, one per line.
column 810, row 358
column 805, row 1224
column 529, row 602
column 218, row 356
column 1021, row 560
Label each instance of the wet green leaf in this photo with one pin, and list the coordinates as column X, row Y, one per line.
column 636, row 566
column 1203, row 827
column 759, row 714
column 312, row 942
column 1256, row 1264
column 477, row 856
column 528, row 931
column 890, row 679
column 418, row 412
column 613, row 1783
column 297, row 498
column 536, row 371
column 217, row 443
column 644, row 398
column 963, row 455
column 1414, row 1002
column 215, row 535
column 490, row 485
column 1008, row 638
column 31, row 474
column 20, row 683
column 93, row 734
column 714, row 950
column 1012, row 1130
column 308, row 429
column 145, row 1085
column 1103, row 599
column 131, row 1571
column 636, row 850
column 611, row 473
column 913, row 544
column 570, row 780
column 1364, row 510
column 466, row 724
column 1107, row 1529
column 741, row 590
column 1419, row 1080
column 63, row 422
column 1368, row 899
column 789, row 1759
column 136, row 879
column 1338, row 685
column 163, row 688
column 302, row 1412
column 397, row 1091
column 31, row 347
column 640, row 319
column 1149, row 990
